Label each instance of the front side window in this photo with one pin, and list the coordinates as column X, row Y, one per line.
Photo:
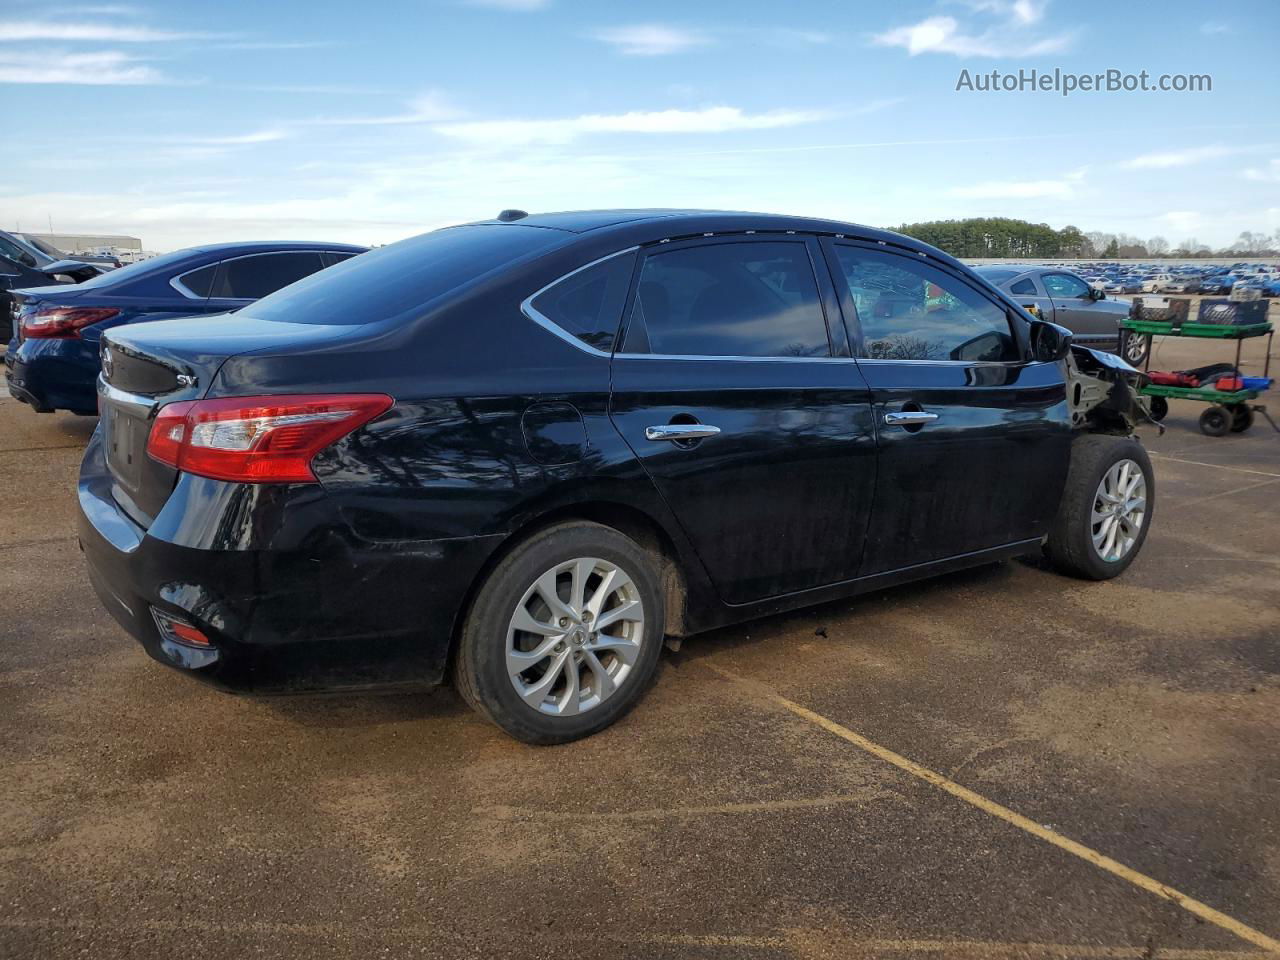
column 909, row 310
column 588, row 304
column 253, row 277
column 743, row 299
column 1063, row 286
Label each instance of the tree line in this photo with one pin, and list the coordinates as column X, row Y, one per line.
column 1018, row 239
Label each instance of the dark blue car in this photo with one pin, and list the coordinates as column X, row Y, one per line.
column 52, row 362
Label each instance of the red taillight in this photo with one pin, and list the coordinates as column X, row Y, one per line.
column 62, row 321
column 257, row 439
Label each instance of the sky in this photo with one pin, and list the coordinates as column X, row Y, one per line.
column 190, row 122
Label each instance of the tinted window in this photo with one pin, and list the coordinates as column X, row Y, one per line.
column 332, row 256
column 747, row 299
column 200, row 282
column 166, row 264
column 1024, row 288
column 908, row 310
column 400, row 279
column 249, row 278
column 588, row 304
column 1064, row 285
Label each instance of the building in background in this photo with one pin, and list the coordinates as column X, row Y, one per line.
column 127, row 249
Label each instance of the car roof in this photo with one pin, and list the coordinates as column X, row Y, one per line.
column 651, row 225
column 255, row 246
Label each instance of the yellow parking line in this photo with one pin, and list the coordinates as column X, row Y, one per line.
column 1190, row 904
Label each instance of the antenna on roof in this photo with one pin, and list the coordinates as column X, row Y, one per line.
column 508, row 216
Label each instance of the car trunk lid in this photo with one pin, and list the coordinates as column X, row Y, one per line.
column 148, row 365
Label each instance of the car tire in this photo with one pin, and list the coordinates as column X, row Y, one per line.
column 563, row 695
column 1241, row 418
column 1215, row 421
column 1134, row 347
column 1101, row 467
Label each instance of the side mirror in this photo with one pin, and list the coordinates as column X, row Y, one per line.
column 1049, row 342
column 1096, row 293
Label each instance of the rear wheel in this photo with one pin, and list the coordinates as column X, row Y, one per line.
column 1241, row 418
column 1105, row 511
column 1215, row 422
column 564, row 635
column 1159, row 409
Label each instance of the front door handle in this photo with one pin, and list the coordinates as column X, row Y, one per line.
column 680, row 431
column 909, row 418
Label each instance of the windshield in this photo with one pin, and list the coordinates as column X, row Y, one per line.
column 403, row 277
column 43, row 246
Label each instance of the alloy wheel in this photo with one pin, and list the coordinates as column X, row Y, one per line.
column 575, row 636
column 1119, row 509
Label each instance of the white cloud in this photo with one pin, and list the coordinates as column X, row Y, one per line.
column 429, row 107
column 1025, row 12
column 1178, row 158
column 945, row 35
column 101, row 68
column 709, row 120
column 235, row 140
column 1021, row 189
column 1268, row 174
column 1182, row 221
column 650, row 39
column 520, row 6
column 103, row 32
column 1214, row 27
column 277, row 44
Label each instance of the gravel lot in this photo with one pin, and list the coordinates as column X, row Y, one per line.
column 737, row 812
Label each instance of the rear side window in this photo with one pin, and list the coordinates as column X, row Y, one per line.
column 199, row 282
column 333, row 256
column 588, row 304
column 908, row 310
column 399, row 280
column 1024, row 288
column 745, row 299
column 253, row 277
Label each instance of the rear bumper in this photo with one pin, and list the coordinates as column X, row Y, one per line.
column 322, row 611
column 53, row 374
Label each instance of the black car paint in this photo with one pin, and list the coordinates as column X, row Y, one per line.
column 500, row 427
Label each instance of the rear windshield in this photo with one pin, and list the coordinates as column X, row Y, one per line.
column 135, row 271
column 404, row 276
column 996, row 274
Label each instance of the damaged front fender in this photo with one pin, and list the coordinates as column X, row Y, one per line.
column 1103, row 392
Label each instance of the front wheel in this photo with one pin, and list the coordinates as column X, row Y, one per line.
column 1106, row 508
column 564, row 635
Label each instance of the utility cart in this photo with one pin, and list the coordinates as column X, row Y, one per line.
column 1230, row 410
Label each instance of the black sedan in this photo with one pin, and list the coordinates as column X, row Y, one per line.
column 519, row 453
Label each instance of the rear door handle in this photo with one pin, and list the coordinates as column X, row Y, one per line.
column 680, row 431
column 907, row 418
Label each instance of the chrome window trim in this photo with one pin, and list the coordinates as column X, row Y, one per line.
column 542, row 320
column 137, row 403
column 176, row 282
column 702, row 356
